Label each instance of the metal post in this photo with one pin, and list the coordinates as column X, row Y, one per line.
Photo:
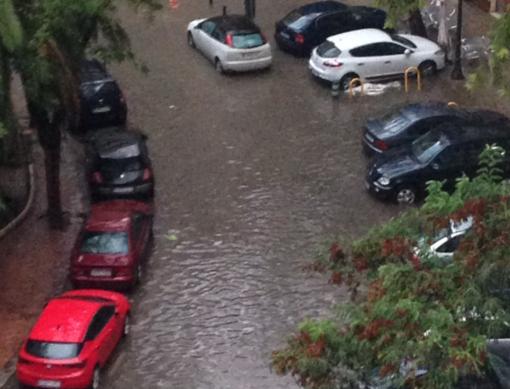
column 224, row 10
column 457, row 64
column 249, row 8
column 210, row 3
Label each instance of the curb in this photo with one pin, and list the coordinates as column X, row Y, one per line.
column 31, row 195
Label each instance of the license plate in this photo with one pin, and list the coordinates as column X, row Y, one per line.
column 122, row 190
column 249, row 54
column 48, row 384
column 369, row 138
column 285, row 35
column 101, row 272
column 102, row 109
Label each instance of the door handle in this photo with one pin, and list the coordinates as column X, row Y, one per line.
column 387, row 61
column 361, row 64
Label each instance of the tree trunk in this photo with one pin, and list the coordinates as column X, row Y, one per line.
column 416, row 23
column 49, row 133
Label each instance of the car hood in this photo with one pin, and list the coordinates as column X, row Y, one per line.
column 422, row 44
column 396, row 163
column 101, row 260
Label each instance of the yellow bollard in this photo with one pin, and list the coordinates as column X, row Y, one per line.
column 351, row 83
column 413, row 69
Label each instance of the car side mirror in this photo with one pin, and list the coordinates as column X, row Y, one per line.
column 408, row 52
column 435, row 166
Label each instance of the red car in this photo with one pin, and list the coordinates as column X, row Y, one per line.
column 72, row 340
column 112, row 246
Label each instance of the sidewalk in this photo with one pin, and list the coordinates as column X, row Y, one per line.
column 33, row 258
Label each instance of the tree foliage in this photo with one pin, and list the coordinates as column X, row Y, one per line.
column 411, row 311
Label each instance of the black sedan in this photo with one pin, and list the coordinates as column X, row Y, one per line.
column 118, row 165
column 443, row 154
column 308, row 26
column 404, row 125
column 102, row 102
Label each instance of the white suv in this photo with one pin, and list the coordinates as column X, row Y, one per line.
column 372, row 53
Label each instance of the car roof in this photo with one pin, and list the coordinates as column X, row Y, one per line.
column 352, row 39
column 117, row 144
column 91, row 70
column 65, row 319
column 109, row 216
column 320, row 7
column 473, row 131
column 234, row 23
column 418, row 111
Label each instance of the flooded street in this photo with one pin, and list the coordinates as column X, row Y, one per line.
column 254, row 172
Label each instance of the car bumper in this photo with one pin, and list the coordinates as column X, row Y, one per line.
column 290, row 46
column 244, row 66
column 378, row 190
column 327, row 75
column 109, row 283
column 123, row 191
column 77, row 380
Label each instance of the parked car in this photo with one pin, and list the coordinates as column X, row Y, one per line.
column 113, row 245
column 231, row 42
column 371, row 54
column 308, row 26
column 409, row 122
column 118, row 165
column 102, row 102
column 443, row 154
column 73, row 339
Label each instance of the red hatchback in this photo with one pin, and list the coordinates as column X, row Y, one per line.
column 72, row 340
column 112, row 246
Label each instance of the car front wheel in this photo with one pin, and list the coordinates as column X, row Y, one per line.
column 427, row 68
column 406, row 195
column 191, row 42
column 346, row 80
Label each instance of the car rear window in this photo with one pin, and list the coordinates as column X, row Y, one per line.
column 247, row 41
column 297, row 21
column 112, row 168
column 328, row 50
column 105, row 243
column 50, row 350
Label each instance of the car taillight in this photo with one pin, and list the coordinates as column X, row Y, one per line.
column 97, row 177
column 23, row 361
column 332, row 63
column 381, row 145
column 229, row 41
column 79, row 365
column 299, row 38
column 147, row 174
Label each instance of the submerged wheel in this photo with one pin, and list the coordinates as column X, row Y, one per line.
column 96, row 377
column 191, row 42
column 346, row 80
column 406, row 195
column 218, row 66
column 427, row 68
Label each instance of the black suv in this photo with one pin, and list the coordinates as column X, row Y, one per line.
column 443, row 154
column 101, row 100
column 118, row 165
column 404, row 125
column 308, row 26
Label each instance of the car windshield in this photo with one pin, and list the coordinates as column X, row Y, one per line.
column 426, row 147
column 328, row 50
column 247, row 41
column 404, row 41
column 105, row 243
column 50, row 350
column 395, row 122
column 297, row 21
column 112, row 168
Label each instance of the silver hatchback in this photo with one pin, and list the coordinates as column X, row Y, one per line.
column 231, row 42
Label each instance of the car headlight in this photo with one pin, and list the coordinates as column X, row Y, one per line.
column 384, row 181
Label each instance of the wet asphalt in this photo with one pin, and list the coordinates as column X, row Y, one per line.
column 254, row 173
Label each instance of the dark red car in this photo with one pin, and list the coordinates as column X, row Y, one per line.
column 112, row 246
column 73, row 338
